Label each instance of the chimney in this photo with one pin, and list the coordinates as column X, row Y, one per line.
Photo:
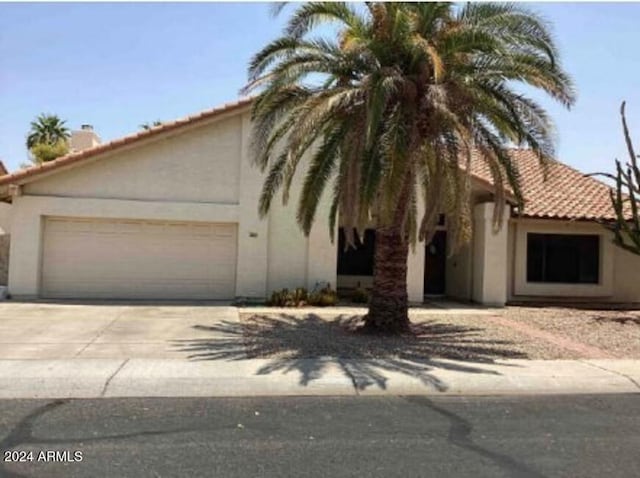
column 84, row 138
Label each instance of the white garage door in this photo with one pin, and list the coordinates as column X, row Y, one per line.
column 93, row 258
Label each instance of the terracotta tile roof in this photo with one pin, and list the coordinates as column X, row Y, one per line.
column 24, row 175
column 566, row 194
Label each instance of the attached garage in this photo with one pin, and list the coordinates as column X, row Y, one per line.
column 137, row 259
column 169, row 213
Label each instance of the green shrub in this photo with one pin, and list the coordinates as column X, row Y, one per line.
column 278, row 298
column 360, row 295
column 286, row 298
column 324, row 297
column 299, row 297
column 44, row 152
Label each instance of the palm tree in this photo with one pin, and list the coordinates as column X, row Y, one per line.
column 390, row 112
column 47, row 129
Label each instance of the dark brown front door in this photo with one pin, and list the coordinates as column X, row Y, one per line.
column 435, row 264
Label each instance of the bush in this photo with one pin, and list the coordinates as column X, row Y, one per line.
column 44, row 152
column 299, row 296
column 286, row 298
column 324, row 297
column 360, row 295
column 320, row 297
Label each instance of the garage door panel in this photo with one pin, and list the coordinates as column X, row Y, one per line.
column 138, row 259
column 106, row 289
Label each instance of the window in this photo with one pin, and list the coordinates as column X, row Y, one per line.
column 563, row 258
column 358, row 261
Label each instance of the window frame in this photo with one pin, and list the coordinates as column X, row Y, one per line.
column 550, row 236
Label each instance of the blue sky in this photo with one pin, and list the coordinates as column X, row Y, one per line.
column 118, row 65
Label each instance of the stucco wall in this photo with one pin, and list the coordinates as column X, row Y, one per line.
column 5, row 217
column 293, row 259
column 198, row 165
column 511, row 251
column 203, row 174
column 458, row 274
column 626, row 281
column 5, row 241
column 489, row 256
column 287, row 250
column 619, row 270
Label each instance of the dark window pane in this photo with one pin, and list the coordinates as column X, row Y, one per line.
column 535, row 257
column 563, row 258
column 590, row 261
column 358, row 261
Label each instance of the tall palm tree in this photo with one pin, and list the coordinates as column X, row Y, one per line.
column 390, row 110
column 47, row 129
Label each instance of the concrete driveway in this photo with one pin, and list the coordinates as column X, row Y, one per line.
column 62, row 331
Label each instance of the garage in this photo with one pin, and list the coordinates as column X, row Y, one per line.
column 137, row 259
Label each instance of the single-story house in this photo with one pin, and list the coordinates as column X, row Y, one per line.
column 171, row 213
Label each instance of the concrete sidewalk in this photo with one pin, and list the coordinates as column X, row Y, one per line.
column 182, row 350
column 93, row 378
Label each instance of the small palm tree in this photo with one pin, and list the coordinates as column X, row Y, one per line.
column 390, row 112
column 47, row 129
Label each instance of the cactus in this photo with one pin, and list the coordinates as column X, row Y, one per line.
column 625, row 197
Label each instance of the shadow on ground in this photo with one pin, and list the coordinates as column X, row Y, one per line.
column 309, row 344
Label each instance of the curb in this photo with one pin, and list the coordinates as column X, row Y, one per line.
column 322, row 376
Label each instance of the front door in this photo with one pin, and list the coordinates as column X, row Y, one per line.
column 435, row 264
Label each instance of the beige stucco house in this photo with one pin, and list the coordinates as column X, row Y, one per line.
column 171, row 213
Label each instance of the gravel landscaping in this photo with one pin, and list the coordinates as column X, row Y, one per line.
column 462, row 336
column 299, row 335
column 616, row 331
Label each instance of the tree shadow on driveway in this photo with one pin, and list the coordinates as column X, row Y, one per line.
column 310, row 345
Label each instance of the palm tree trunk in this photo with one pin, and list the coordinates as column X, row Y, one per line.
column 388, row 305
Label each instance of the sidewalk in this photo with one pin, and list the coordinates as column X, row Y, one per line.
column 94, row 378
column 139, row 350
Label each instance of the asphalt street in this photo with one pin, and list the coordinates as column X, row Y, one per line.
column 553, row 436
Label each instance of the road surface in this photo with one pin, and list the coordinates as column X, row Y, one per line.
column 561, row 436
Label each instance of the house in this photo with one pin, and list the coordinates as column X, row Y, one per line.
column 5, row 219
column 171, row 213
column 82, row 139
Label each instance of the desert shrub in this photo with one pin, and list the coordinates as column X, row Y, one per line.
column 323, row 297
column 320, row 297
column 299, row 297
column 288, row 298
column 360, row 295
column 278, row 298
